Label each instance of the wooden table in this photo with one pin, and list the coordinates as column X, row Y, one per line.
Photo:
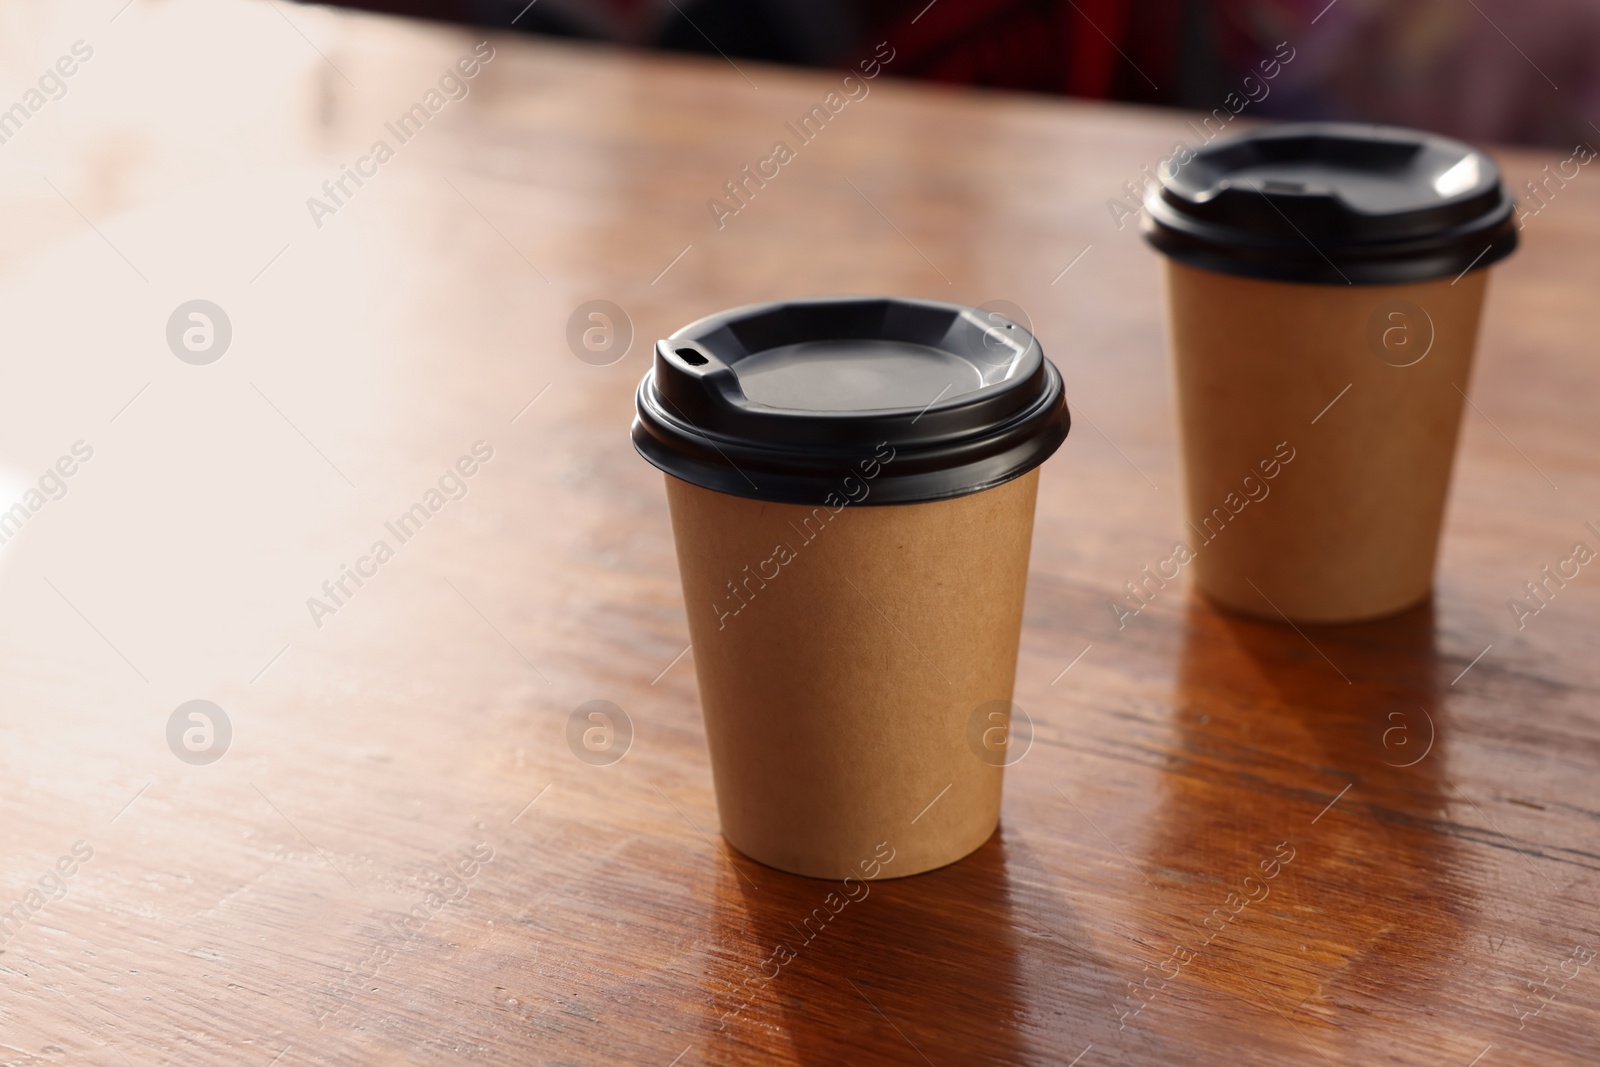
column 399, row 858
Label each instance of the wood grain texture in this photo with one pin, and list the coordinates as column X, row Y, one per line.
column 399, row 859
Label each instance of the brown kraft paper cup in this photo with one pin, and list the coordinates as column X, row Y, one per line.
column 846, row 639
column 1347, row 527
column 1324, row 285
column 836, row 695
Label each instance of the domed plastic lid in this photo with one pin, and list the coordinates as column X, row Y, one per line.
column 1333, row 204
column 786, row 401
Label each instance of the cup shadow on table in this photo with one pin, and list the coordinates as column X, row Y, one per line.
column 975, row 963
column 1271, row 724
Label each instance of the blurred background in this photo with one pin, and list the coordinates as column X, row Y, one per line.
column 1484, row 70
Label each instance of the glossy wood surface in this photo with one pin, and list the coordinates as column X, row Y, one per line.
column 400, row 859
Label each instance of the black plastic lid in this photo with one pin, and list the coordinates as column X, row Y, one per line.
column 1333, row 204
column 785, row 401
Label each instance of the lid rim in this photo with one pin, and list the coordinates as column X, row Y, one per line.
column 1396, row 264
column 919, row 487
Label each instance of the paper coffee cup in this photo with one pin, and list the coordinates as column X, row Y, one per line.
column 852, row 485
column 1324, row 284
